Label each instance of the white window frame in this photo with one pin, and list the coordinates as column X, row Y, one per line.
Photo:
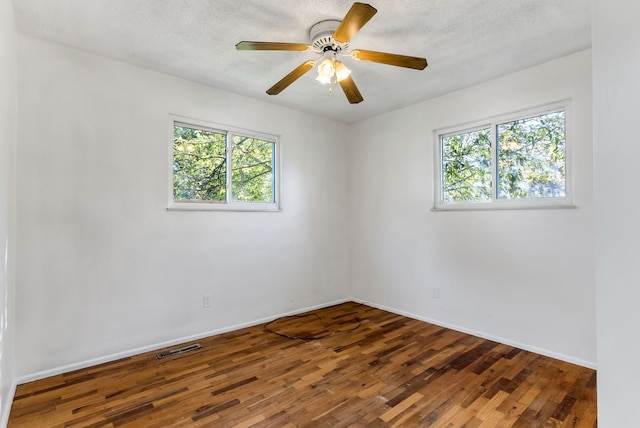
column 495, row 203
column 229, row 204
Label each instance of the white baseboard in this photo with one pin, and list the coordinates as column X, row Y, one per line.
column 526, row 347
column 131, row 352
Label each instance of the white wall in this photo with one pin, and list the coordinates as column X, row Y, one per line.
column 102, row 267
column 8, row 118
column 524, row 277
column 616, row 70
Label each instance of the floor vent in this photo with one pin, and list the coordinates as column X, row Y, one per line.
column 178, row 351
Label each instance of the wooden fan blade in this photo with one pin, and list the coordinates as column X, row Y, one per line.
column 390, row 59
column 351, row 90
column 354, row 20
column 271, row 46
column 290, row 78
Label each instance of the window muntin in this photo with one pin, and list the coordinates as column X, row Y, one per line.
column 512, row 161
column 213, row 168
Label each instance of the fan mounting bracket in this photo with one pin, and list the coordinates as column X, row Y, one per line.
column 321, row 36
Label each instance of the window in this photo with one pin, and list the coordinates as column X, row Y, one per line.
column 511, row 162
column 212, row 168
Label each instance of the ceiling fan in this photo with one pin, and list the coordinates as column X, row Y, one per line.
column 330, row 39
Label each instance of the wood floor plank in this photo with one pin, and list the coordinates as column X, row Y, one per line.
column 389, row 371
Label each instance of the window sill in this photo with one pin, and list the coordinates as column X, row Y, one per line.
column 234, row 207
column 492, row 206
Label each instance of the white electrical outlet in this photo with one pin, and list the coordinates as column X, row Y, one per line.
column 436, row 293
column 206, row 301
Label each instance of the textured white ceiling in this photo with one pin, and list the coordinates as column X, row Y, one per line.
column 464, row 41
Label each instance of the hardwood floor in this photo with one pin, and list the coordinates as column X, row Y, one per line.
column 387, row 370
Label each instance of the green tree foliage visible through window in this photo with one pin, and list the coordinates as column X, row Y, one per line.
column 466, row 166
column 200, row 159
column 531, row 157
column 252, row 170
column 199, row 165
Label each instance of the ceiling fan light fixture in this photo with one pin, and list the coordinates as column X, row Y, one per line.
column 323, row 79
column 326, row 68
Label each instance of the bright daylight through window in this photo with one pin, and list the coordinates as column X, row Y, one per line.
column 221, row 169
column 511, row 162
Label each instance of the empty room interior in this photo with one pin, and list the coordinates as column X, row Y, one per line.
column 345, row 214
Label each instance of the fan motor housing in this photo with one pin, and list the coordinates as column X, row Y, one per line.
column 321, row 35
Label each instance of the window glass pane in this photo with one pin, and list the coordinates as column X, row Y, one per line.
column 199, row 165
column 252, row 175
column 531, row 157
column 466, row 166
